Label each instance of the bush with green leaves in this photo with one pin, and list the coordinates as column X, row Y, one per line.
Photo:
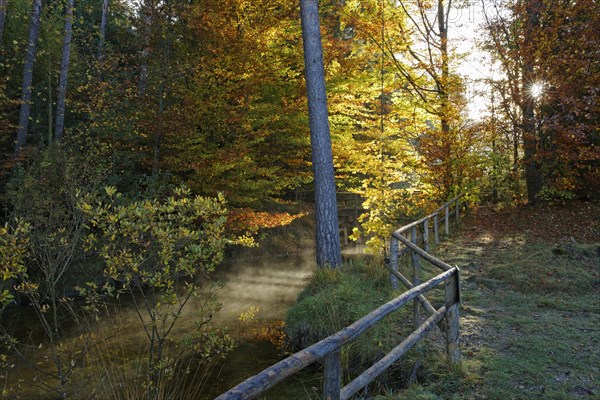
column 154, row 252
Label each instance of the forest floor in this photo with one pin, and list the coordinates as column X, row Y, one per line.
column 530, row 313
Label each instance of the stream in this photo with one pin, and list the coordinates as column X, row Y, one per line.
column 268, row 284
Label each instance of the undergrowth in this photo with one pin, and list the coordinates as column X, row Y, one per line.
column 335, row 299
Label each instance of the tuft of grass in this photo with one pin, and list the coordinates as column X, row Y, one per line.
column 336, row 298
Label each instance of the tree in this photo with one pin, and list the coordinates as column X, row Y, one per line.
column 64, row 72
column 550, row 95
column 3, row 4
column 424, row 62
column 327, row 234
column 34, row 31
column 102, row 33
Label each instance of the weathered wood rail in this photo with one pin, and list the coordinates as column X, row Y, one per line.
column 401, row 235
column 328, row 349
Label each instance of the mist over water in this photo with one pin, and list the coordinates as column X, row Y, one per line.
column 270, row 283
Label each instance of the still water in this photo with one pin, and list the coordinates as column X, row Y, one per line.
column 268, row 284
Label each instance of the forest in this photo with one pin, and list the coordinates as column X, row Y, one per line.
column 141, row 141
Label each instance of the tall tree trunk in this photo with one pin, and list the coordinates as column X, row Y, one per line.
column 445, row 98
column 34, row 31
column 147, row 8
column 327, row 235
column 533, row 176
column 443, row 88
column 103, row 22
column 64, row 73
column 2, row 17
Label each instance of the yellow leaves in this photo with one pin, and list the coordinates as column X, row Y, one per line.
column 248, row 314
column 110, row 190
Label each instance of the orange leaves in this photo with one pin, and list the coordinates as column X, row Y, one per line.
column 250, row 221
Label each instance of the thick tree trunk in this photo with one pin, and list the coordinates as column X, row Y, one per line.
column 328, row 235
column 2, row 17
column 34, row 31
column 64, row 73
column 103, row 22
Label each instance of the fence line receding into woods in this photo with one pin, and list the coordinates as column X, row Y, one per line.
column 328, row 349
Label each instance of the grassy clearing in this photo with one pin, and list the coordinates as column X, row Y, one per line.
column 530, row 321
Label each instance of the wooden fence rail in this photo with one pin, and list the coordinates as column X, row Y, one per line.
column 328, row 349
column 399, row 236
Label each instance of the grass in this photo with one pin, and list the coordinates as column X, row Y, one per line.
column 336, row 298
column 530, row 313
column 530, row 321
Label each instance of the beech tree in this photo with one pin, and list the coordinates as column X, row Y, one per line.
column 327, row 234
column 428, row 76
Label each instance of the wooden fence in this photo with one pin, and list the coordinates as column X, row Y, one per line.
column 410, row 236
column 328, row 349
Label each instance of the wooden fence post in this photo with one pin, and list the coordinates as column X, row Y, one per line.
column 394, row 261
column 447, row 219
column 333, row 376
column 452, row 318
column 436, row 229
column 416, row 277
column 426, row 235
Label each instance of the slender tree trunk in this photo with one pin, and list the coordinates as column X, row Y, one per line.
column 34, row 31
column 2, row 17
column 327, row 235
column 64, row 73
column 533, row 176
column 161, row 105
column 147, row 8
column 443, row 89
column 103, row 22
column 444, row 99
column 50, row 117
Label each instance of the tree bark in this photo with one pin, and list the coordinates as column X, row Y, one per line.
column 443, row 89
column 2, row 17
column 34, row 31
column 533, row 176
column 327, row 235
column 103, row 23
column 64, row 73
column 444, row 100
column 147, row 9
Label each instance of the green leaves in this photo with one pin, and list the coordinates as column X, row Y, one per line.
column 14, row 242
column 151, row 242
